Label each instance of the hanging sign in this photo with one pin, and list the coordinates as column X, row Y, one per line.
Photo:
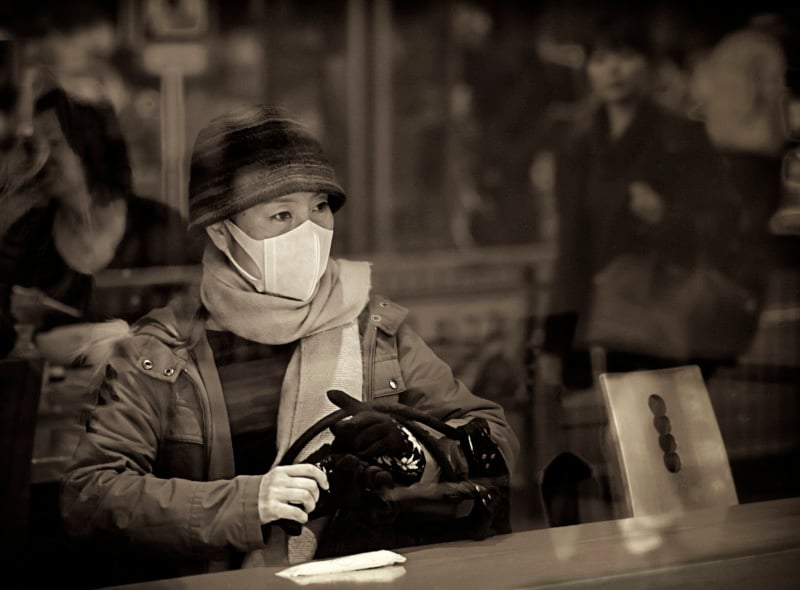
column 173, row 36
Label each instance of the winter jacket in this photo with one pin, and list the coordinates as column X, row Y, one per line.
column 155, row 469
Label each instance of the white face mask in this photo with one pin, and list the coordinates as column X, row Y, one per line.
column 291, row 264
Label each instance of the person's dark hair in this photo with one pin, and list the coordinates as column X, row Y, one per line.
column 621, row 30
column 93, row 132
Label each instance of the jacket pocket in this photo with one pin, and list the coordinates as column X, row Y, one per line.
column 182, row 452
column 387, row 380
column 184, row 425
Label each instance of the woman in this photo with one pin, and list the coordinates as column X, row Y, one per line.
column 198, row 407
column 84, row 218
column 634, row 179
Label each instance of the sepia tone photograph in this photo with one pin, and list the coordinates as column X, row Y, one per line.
column 399, row 294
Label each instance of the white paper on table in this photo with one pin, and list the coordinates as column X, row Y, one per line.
column 348, row 563
column 375, row 575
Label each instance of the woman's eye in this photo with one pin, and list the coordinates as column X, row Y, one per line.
column 282, row 216
column 321, row 206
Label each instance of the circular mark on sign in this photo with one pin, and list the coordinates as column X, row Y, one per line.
column 662, row 425
column 667, row 443
column 672, row 462
column 657, row 405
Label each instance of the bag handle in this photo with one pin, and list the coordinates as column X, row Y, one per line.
column 405, row 415
column 353, row 406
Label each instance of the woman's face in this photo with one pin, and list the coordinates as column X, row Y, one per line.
column 276, row 217
column 63, row 173
column 618, row 75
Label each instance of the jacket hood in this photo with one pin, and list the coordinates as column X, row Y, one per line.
column 159, row 340
column 175, row 324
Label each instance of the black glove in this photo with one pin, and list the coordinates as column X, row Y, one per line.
column 379, row 439
column 349, row 478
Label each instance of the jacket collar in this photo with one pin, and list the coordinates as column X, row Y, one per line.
column 178, row 328
column 384, row 313
column 169, row 333
column 174, row 324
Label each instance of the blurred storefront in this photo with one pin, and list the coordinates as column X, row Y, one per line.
column 440, row 118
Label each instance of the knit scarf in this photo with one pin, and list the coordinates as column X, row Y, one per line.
column 328, row 357
column 234, row 304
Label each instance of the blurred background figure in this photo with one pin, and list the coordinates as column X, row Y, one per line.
column 639, row 189
column 85, row 219
column 739, row 88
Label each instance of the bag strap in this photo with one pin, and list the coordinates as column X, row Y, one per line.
column 405, row 415
column 353, row 406
column 306, row 437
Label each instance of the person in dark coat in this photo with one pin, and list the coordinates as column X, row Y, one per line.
column 83, row 218
column 631, row 178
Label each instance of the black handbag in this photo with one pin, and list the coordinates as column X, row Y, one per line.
column 458, row 507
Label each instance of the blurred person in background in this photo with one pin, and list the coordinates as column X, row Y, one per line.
column 631, row 178
column 180, row 466
column 84, row 219
column 740, row 87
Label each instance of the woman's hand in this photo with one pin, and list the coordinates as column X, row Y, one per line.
column 645, row 203
column 377, row 438
column 290, row 492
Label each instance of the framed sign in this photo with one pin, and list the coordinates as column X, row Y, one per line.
column 174, row 20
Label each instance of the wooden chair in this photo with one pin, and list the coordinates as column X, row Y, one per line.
column 665, row 436
column 20, row 389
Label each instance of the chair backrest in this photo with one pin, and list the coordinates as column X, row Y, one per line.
column 20, row 389
column 669, row 448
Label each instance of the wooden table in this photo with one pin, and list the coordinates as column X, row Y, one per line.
column 746, row 546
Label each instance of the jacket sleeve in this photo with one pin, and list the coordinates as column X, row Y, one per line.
column 432, row 388
column 111, row 490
